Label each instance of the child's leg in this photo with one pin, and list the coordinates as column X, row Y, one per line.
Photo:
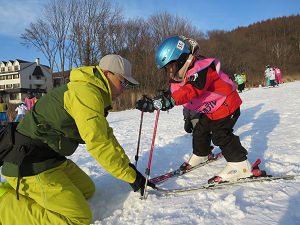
column 223, row 137
column 243, row 86
column 1, row 115
column 5, row 118
column 272, row 83
column 18, row 117
column 239, row 88
column 268, row 82
column 202, row 138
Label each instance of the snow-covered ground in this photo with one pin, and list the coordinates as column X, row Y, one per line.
column 269, row 127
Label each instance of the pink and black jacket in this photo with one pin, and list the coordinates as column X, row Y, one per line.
column 206, row 89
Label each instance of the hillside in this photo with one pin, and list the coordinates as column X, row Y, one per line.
column 274, row 42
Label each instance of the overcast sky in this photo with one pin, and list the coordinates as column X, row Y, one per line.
column 16, row 15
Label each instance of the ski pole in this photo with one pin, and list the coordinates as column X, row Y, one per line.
column 150, row 157
column 145, row 97
column 138, row 145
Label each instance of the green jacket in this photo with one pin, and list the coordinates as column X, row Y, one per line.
column 74, row 114
column 3, row 107
column 244, row 78
column 239, row 79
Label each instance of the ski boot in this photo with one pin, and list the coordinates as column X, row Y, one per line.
column 238, row 170
column 195, row 161
column 232, row 172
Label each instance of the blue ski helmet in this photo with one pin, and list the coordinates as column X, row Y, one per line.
column 169, row 50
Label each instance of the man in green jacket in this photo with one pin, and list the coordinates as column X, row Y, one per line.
column 52, row 189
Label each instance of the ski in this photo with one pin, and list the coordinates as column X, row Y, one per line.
column 226, row 184
column 178, row 172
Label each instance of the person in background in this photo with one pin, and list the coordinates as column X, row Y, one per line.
column 21, row 109
column 272, row 77
column 3, row 110
column 51, row 188
column 205, row 89
column 30, row 100
column 233, row 78
column 267, row 76
column 243, row 75
column 240, row 81
column 278, row 75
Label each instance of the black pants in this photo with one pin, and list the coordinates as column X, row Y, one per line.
column 272, row 83
column 220, row 133
column 241, row 87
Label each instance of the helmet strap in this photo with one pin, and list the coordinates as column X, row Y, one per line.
column 181, row 73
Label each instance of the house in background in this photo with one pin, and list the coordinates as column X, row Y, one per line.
column 19, row 77
column 60, row 78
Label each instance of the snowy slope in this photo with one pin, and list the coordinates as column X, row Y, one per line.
column 269, row 128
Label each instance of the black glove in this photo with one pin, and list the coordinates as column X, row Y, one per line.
column 164, row 102
column 188, row 126
column 139, row 183
column 145, row 104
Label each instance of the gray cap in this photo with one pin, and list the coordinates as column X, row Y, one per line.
column 117, row 64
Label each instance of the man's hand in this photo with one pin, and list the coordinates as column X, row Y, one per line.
column 139, row 183
column 145, row 104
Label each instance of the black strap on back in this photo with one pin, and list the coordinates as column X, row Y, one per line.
column 7, row 139
column 15, row 148
column 17, row 155
column 10, row 152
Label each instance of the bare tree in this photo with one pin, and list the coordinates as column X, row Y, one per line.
column 95, row 30
column 50, row 34
column 75, row 32
column 59, row 14
column 39, row 35
column 163, row 25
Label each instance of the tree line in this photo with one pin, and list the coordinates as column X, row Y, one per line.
column 73, row 33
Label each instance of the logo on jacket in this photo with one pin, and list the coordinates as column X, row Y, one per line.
column 208, row 107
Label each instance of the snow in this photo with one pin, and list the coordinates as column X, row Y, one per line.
column 268, row 128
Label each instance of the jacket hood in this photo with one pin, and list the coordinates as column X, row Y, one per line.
column 92, row 75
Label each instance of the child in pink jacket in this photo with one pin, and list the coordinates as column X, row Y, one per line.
column 278, row 75
column 30, row 100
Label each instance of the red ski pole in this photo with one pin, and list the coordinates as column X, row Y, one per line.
column 150, row 157
column 138, row 145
